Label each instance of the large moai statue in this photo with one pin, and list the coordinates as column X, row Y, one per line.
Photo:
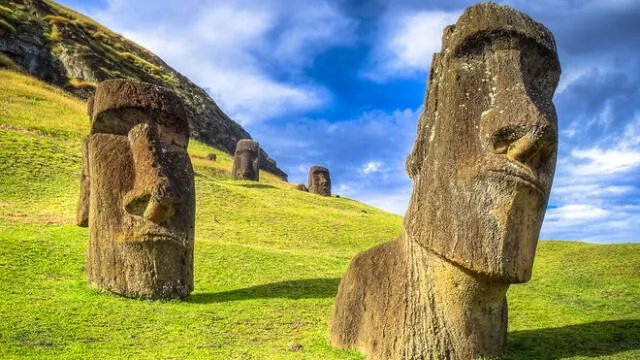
column 482, row 166
column 246, row 161
column 319, row 181
column 139, row 191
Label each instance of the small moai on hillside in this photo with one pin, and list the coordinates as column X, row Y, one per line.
column 246, row 161
column 482, row 165
column 212, row 157
column 301, row 187
column 140, row 194
column 319, row 181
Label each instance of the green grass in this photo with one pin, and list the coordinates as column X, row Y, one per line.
column 5, row 26
column 268, row 260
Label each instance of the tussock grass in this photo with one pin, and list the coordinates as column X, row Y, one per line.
column 268, row 260
column 7, row 63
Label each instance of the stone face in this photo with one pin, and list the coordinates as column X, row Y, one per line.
column 141, row 193
column 319, row 181
column 482, row 166
column 246, row 161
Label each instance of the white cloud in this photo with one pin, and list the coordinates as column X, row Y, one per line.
column 570, row 76
column 225, row 47
column 623, row 156
column 600, row 162
column 594, row 191
column 408, row 43
column 573, row 213
column 370, row 167
column 394, row 201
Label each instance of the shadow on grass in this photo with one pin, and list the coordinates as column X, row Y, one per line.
column 601, row 338
column 292, row 289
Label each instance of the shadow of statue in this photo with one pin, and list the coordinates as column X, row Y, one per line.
column 602, row 338
column 291, row 289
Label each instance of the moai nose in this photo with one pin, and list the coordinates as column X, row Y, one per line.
column 152, row 196
column 526, row 146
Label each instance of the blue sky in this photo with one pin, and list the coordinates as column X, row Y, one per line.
column 340, row 84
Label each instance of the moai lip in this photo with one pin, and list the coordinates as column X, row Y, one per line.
column 319, row 181
column 246, row 161
column 140, row 193
column 482, row 165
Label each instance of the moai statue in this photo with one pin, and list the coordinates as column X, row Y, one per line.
column 212, row 157
column 90, row 102
column 82, row 212
column 301, row 187
column 482, row 166
column 319, row 181
column 140, row 192
column 246, row 161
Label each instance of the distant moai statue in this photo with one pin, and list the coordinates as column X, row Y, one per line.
column 301, row 187
column 139, row 192
column 482, row 165
column 319, row 181
column 212, row 157
column 246, row 161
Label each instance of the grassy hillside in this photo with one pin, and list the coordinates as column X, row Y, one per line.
column 267, row 264
column 68, row 49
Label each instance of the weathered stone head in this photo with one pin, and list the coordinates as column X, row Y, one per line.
column 246, row 161
column 90, row 106
column 485, row 153
column 142, row 193
column 319, row 181
column 482, row 166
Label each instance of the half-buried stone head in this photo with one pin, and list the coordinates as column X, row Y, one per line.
column 485, row 153
column 142, row 192
column 482, row 166
column 246, row 161
column 319, row 181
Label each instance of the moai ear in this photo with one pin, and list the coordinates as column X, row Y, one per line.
column 82, row 211
column 414, row 161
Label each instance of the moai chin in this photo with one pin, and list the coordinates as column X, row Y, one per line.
column 482, row 166
column 246, row 161
column 319, row 181
column 140, row 192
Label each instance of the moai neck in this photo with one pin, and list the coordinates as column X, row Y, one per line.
column 460, row 315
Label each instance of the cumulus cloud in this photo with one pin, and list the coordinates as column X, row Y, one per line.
column 407, row 43
column 229, row 48
column 371, row 167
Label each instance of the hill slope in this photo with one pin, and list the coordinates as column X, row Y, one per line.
column 267, row 264
column 69, row 50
